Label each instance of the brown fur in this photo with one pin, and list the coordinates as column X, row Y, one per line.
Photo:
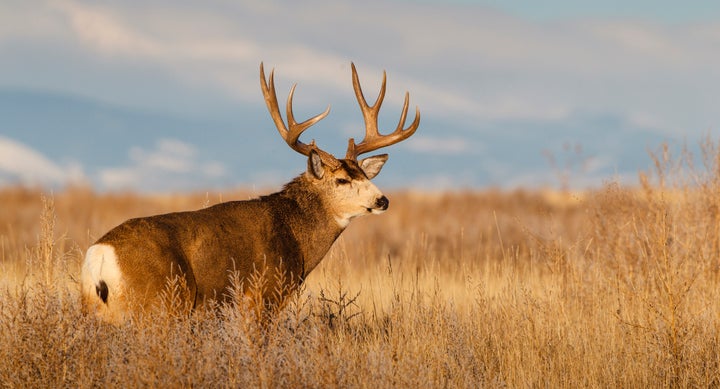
column 289, row 232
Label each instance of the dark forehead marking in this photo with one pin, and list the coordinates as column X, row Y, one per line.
column 352, row 169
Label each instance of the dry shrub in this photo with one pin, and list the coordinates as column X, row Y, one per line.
column 610, row 288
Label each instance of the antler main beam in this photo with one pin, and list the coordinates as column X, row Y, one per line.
column 373, row 139
column 292, row 135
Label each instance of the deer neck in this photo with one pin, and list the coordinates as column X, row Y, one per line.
column 312, row 222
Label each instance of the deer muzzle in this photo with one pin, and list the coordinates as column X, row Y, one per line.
column 382, row 203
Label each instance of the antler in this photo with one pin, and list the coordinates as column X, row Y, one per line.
column 292, row 136
column 373, row 139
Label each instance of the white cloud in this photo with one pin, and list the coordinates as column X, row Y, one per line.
column 169, row 155
column 170, row 165
column 103, row 32
column 648, row 121
column 22, row 164
column 213, row 169
column 468, row 62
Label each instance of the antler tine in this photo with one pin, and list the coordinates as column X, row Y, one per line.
column 370, row 113
column 271, row 100
column 296, row 129
column 373, row 139
column 292, row 135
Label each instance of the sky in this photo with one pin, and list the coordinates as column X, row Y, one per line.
column 161, row 96
column 662, row 11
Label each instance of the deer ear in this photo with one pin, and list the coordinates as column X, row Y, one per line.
column 372, row 165
column 315, row 165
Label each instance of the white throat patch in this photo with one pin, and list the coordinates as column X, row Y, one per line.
column 343, row 222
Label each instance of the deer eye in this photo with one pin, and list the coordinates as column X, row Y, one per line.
column 342, row 181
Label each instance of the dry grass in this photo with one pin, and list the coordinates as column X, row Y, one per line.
column 614, row 288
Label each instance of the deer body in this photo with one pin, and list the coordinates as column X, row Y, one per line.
column 288, row 232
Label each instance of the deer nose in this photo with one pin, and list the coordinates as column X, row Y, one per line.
column 382, row 203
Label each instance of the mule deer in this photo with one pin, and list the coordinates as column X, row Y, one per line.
column 288, row 232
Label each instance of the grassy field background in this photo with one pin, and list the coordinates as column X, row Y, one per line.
column 617, row 287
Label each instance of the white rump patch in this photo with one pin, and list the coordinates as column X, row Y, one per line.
column 100, row 265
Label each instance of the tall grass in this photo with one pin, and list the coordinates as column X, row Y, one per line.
column 610, row 288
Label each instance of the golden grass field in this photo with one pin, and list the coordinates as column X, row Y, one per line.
column 616, row 287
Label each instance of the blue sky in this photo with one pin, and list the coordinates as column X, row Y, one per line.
column 164, row 95
column 664, row 11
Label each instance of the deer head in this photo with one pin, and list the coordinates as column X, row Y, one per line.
column 344, row 182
